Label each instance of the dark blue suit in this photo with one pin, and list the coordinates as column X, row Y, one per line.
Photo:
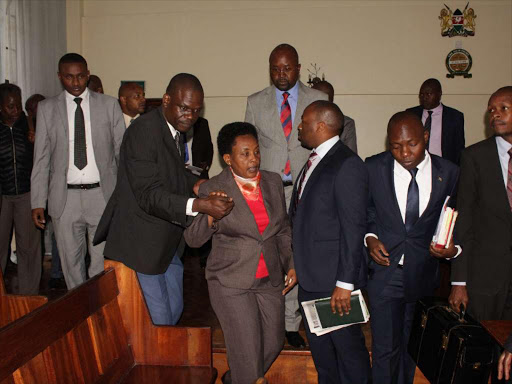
column 393, row 291
column 452, row 132
column 328, row 229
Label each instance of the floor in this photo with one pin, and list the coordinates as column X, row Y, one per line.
column 197, row 311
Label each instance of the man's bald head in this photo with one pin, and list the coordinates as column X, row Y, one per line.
column 184, row 81
column 31, row 104
column 407, row 139
column 330, row 114
column 321, row 121
column 284, row 48
column 127, row 89
column 503, row 91
column 434, row 83
column 95, row 84
column 132, row 99
column 325, row 87
column 412, row 120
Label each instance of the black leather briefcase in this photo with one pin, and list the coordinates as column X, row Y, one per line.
column 449, row 348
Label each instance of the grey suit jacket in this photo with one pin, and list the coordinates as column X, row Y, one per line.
column 262, row 112
column 348, row 136
column 237, row 243
column 51, row 151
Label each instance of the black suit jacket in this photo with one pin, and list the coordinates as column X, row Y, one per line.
column 144, row 219
column 452, row 135
column 484, row 226
column 330, row 222
column 421, row 270
column 202, row 147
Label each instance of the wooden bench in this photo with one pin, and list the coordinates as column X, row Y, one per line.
column 12, row 307
column 101, row 332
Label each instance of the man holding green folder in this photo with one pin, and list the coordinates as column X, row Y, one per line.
column 328, row 214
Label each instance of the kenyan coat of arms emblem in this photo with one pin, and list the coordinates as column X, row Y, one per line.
column 458, row 23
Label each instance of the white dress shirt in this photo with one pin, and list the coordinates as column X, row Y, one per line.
column 128, row 119
column 436, row 129
column 90, row 173
column 190, row 201
column 321, row 151
column 503, row 148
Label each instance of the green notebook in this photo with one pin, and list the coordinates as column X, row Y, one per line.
column 329, row 319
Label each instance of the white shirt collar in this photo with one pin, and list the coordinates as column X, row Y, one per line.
column 436, row 111
column 84, row 95
column 421, row 166
column 503, row 146
column 172, row 129
column 326, row 146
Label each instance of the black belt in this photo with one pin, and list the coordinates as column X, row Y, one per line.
column 83, row 186
column 287, row 183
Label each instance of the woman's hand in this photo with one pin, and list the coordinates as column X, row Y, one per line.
column 290, row 282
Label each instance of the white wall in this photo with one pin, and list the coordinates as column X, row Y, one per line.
column 375, row 53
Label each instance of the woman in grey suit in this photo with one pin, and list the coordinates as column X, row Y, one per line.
column 251, row 251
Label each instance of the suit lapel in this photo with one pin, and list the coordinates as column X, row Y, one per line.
column 94, row 106
column 318, row 170
column 168, row 139
column 388, row 182
column 302, row 103
column 495, row 179
column 445, row 129
column 63, row 113
column 274, row 128
column 438, row 178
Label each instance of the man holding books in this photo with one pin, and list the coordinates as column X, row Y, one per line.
column 407, row 188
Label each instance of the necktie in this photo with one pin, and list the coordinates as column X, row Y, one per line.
column 286, row 122
column 177, row 141
column 80, row 147
column 509, row 179
column 305, row 170
column 131, row 121
column 412, row 210
column 186, row 149
column 428, row 126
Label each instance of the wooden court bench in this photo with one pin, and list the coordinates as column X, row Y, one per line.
column 101, row 332
column 13, row 307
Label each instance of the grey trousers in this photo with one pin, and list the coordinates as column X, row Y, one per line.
column 16, row 209
column 292, row 315
column 252, row 321
column 74, row 232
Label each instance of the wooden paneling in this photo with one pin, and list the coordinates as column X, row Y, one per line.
column 498, row 329
column 157, row 345
column 175, row 375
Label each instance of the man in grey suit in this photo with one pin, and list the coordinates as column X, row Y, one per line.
column 348, row 133
column 276, row 112
column 78, row 136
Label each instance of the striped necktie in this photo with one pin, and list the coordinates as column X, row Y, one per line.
column 286, row 122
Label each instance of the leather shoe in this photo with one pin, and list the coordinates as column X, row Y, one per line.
column 295, row 339
column 226, row 378
column 56, row 283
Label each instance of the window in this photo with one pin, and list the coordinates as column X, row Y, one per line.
column 8, row 44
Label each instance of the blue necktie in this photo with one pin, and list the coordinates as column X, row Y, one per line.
column 412, row 210
column 186, row 149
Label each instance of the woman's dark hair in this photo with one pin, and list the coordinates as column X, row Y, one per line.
column 8, row 89
column 230, row 132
